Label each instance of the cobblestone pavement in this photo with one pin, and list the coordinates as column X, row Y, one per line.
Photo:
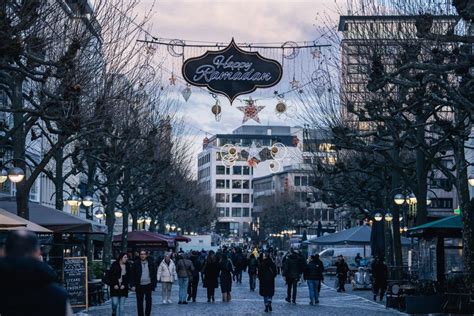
column 245, row 302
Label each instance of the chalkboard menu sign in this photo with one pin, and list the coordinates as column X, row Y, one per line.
column 75, row 280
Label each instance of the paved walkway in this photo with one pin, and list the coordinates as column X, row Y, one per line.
column 245, row 302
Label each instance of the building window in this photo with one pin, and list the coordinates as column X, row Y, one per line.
column 236, row 198
column 237, row 170
column 246, row 212
column 220, row 184
column 220, row 198
column 246, row 198
column 236, row 184
column 236, row 212
column 442, row 203
column 246, row 170
column 221, row 211
column 227, row 184
column 297, row 181
column 331, row 215
column 245, row 184
column 304, row 181
column 220, row 169
column 233, row 227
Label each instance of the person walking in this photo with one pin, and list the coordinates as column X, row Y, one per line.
column 143, row 282
column 28, row 286
column 292, row 269
column 252, row 267
column 194, row 281
column 210, row 272
column 279, row 261
column 120, row 275
column 313, row 275
column 166, row 275
column 380, row 275
column 267, row 273
column 341, row 272
column 185, row 269
column 238, row 260
column 226, row 269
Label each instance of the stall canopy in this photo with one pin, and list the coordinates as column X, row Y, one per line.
column 445, row 227
column 147, row 239
column 359, row 235
column 9, row 221
column 57, row 221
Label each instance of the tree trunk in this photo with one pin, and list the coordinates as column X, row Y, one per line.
column 124, row 244
column 58, row 177
column 110, row 222
column 397, row 244
column 421, row 173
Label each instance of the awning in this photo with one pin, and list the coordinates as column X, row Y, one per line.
column 147, row 239
column 445, row 227
column 57, row 221
column 182, row 239
column 9, row 221
column 359, row 235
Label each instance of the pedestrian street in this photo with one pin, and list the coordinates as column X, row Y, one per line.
column 245, row 302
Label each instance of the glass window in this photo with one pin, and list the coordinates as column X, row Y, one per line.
column 245, row 184
column 220, row 198
column 331, row 215
column 220, row 184
column 297, row 181
column 236, row 184
column 227, row 212
column 220, row 169
column 237, row 170
column 246, row 170
column 227, row 170
column 233, row 226
column 227, row 184
column 236, row 212
column 236, row 198
column 246, row 198
column 221, row 211
column 304, row 181
column 246, row 212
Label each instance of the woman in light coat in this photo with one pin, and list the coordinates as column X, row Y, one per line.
column 166, row 274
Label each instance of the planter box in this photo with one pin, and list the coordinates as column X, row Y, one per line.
column 425, row 304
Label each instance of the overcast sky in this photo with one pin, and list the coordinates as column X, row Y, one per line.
column 249, row 21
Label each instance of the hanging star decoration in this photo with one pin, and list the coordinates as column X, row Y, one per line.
column 172, row 79
column 294, row 83
column 250, row 111
column 316, row 53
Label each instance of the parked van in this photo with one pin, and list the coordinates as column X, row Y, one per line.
column 328, row 256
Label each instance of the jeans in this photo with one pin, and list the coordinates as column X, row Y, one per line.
column 252, row 280
column 313, row 290
column 291, row 283
column 166, row 290
column 144, row 292
column 183, row 287
column 117, row 305
column 267, row 300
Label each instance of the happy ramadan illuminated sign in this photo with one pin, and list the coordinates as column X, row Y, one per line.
column 232, row 71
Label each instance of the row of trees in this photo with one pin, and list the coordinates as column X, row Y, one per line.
column 83, row 101
column 410, row 110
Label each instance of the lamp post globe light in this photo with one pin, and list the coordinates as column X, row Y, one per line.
column 148, row 220
column 388, row 217
column 118, row 213
column 140, row 220
column 99, row 214
column 74, row 200
column 87, row 201
column 412, row 198
column 399, row 199
column 16, row 174
column 378, row 217
column 167, row 226
column 470, row 180
column 3, row 176
column 173, row 227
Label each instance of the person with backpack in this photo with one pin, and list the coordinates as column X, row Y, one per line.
column 185, row 269
column 167, row 275
column 252, row 267
column 313, row 275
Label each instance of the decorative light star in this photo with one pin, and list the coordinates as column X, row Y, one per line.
column 316, row 53
column 172, row 79
column 294, row 83
column 250, row 111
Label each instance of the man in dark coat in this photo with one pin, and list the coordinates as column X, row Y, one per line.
column 313, row 274
column 144, row 281
column 252, row 267
column 194, row 281
column 293, row 267
column 238, row 260
column 28, row 286
column 379, row 275
column 267, row 273
column 341, row 272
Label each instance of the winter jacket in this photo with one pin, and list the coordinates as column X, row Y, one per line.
column 293, row 266
column 267, row 273
column 341, row 268
column 115, row 274
column 252, row 265
column 28, row 288
column 137, row 272
column 197, row 266
column 166, row 272
column 379, row 272
column 210, row 271
column 185, row 268
column 314, row 270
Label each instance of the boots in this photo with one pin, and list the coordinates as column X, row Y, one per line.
column 224, row 297
column 270, row 306
column 266, row 308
